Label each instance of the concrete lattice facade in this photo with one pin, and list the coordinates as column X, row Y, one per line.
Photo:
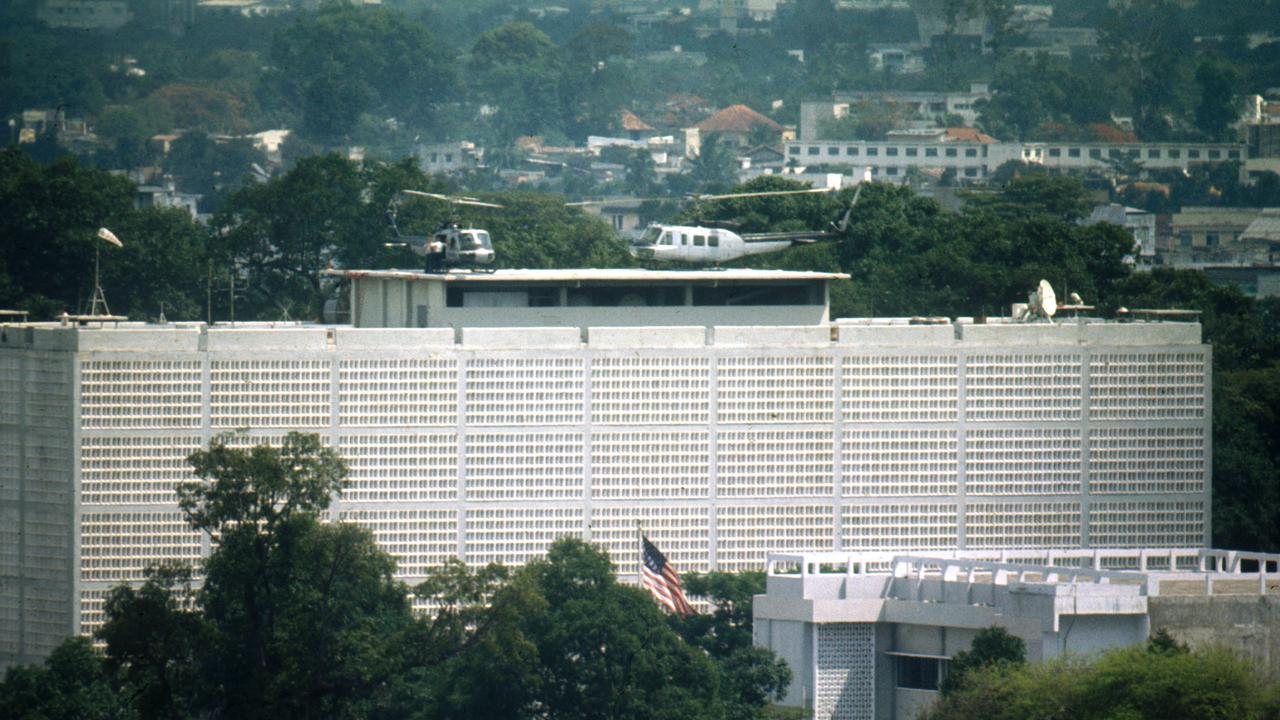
column 726, row 443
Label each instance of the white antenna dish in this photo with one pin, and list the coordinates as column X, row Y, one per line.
column 1043, row 302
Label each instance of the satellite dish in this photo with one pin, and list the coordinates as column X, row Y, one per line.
column 1043, row 302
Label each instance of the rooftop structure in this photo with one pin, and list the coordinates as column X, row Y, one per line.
column 870, row 635
column 587, row 298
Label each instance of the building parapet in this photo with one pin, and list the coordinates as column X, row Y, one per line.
column 299, row 337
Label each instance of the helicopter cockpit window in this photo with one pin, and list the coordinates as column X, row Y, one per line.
column 475, row 240
column 650, row 236
column 666, row 239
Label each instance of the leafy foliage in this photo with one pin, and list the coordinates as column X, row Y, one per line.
column 73, row 684
column 52, row 213
column 992, row 647
column 1133, row 683
column 348, row 59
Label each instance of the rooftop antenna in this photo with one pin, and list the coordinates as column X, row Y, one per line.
column 232, row 289
column 1043, row 302
column 99, row 299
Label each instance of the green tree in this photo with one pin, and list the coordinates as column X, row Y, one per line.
column 280, row 235
column 346, row 60
column 750, row 676
column 202, row 165
column 1219, row 105
column 715, row 168
column 518, row 70
column 605, row 650
column 993, row 646
column 52, row 213
column 75, row 683
column 295, row 618
column 641, row 173
column 1137, row 683
column 1149, row 43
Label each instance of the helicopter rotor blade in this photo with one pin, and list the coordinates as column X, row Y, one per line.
column 451, row 199
column 419, row 193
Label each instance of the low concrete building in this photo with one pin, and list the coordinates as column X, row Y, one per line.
column 871, row 635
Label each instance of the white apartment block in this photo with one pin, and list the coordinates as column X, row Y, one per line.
column 722, row 410
column 894, row 160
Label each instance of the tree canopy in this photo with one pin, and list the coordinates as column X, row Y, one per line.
column 1142, row 683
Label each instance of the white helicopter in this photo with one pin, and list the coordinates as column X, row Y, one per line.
column 715, row 245
column 451, row 245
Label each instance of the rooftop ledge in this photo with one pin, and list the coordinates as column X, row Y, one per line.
column 590, row 275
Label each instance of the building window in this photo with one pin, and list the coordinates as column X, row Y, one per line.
column 1184, row 238
column 1174, row 154
column 833, row 150
column 793, row 150
column 919, row 673
column 1095, row 153
column 1073, row 152
column 951, row 152
column 911, row 152
column 971, row 172
column 1153, row 153
column 1211, row 239
column 1113, row 153
column 1193, row 154
column 891, row 151
column 872, row 152
column 891, row 171
column 1215, row 154
column 1055, row 152
column 1233, row 154
column 813, row 150
column 931, row 152
column 971, row 152
column 851, row 150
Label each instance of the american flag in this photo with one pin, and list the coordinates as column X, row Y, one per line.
column 662, row 580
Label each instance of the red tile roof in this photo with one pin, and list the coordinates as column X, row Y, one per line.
column 968, row 134
column 631, row 123
column 736, row 119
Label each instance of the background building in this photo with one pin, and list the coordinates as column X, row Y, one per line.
column 726, row 441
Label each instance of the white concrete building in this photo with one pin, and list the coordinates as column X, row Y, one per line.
column 722, row 409
column 974, row 161
column 869, row 636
